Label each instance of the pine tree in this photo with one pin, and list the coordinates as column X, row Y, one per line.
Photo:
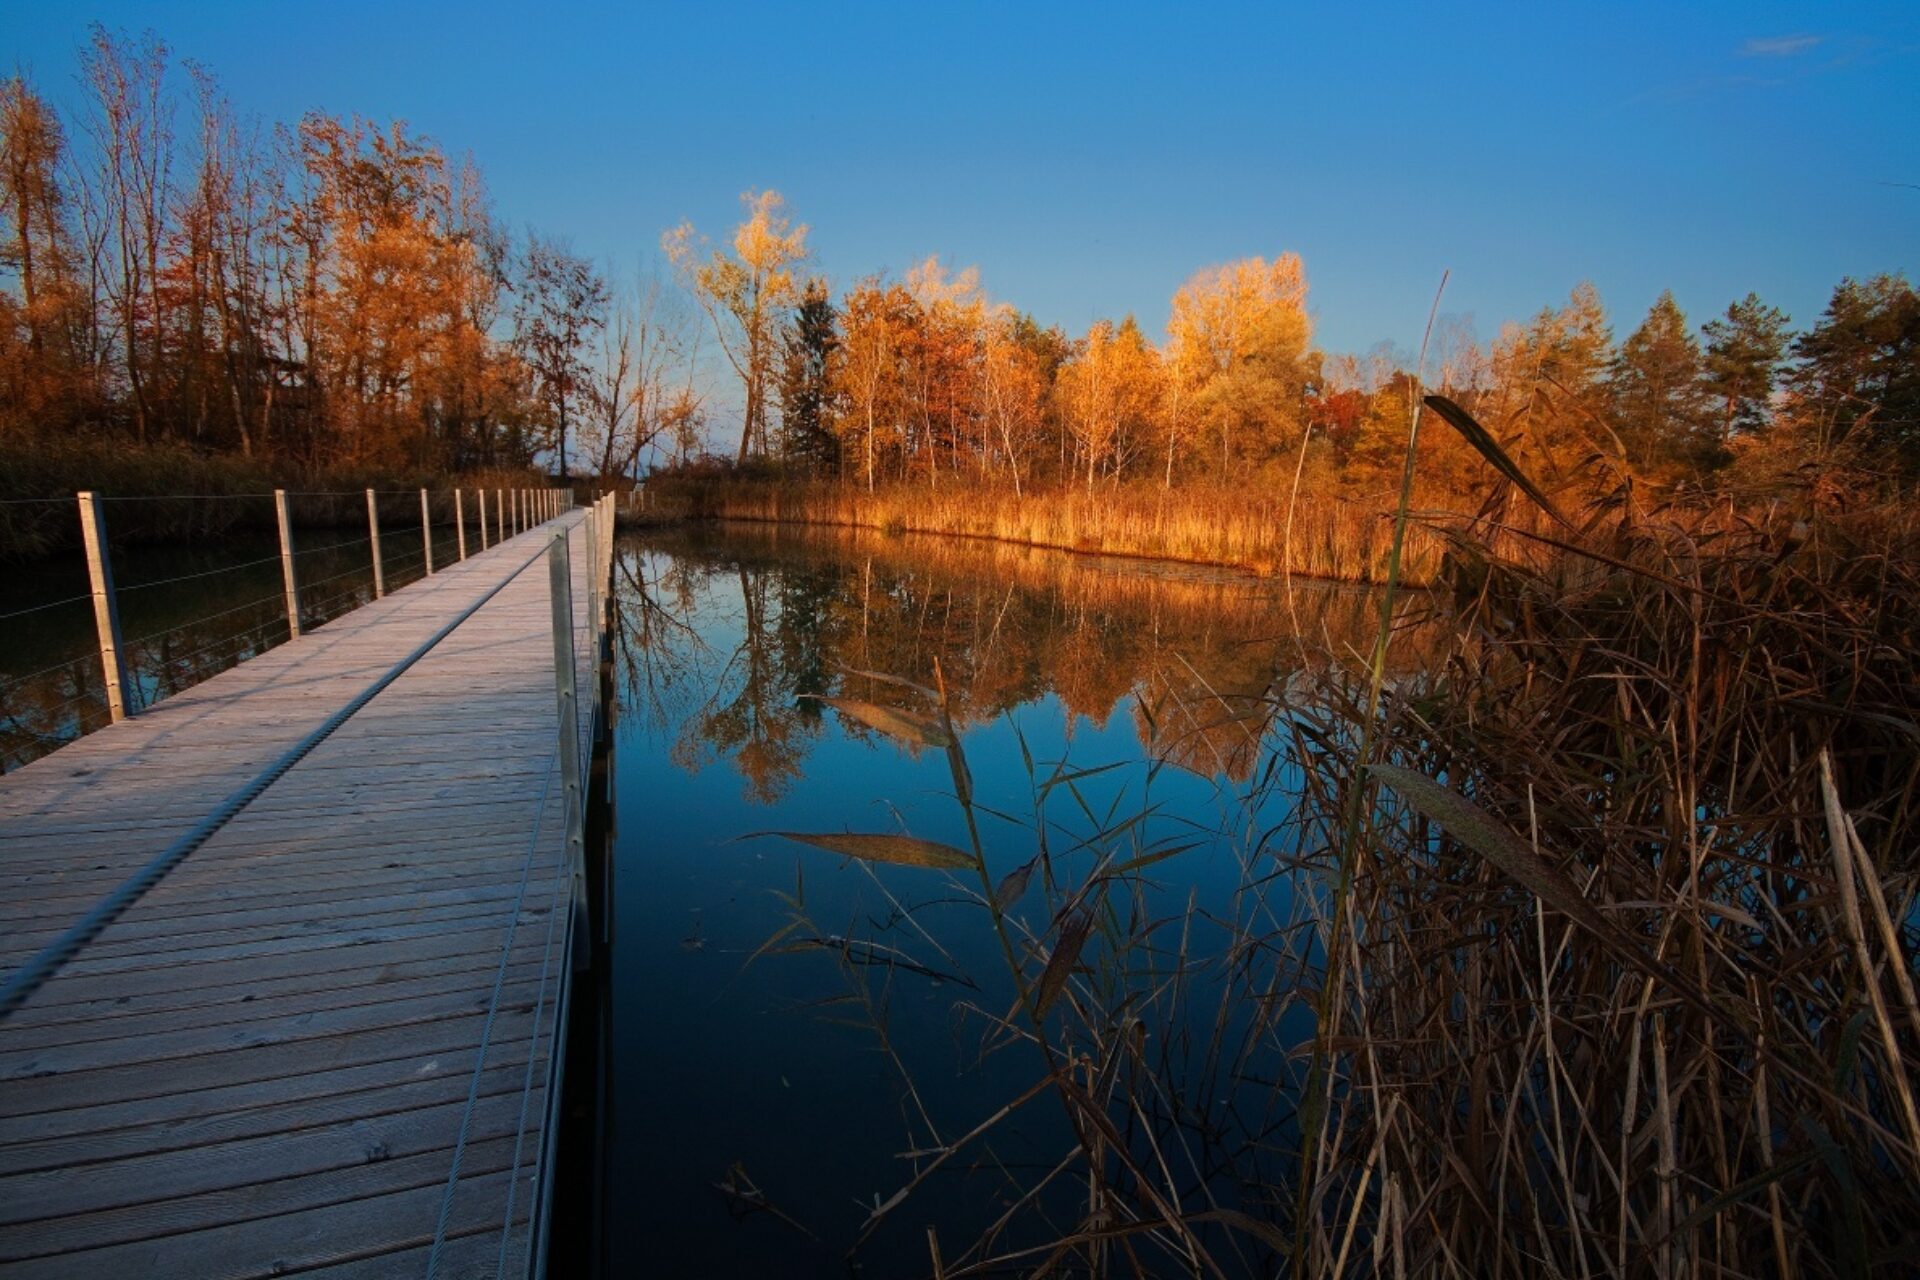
column 1743, row 358
column 1659, row 398
column 809, row 342
column 1860, row 366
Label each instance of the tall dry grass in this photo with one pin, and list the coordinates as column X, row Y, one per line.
column 1626, row 984
column 1330, row 536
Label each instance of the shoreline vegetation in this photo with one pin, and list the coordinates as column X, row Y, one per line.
column 1230, row 528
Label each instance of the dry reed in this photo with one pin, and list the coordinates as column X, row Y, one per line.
column 1331, row 537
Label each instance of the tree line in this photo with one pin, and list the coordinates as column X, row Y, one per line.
column 340, row 292
column 330, row 292
column 926, row 379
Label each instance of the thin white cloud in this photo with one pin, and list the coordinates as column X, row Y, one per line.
column 1778, row 46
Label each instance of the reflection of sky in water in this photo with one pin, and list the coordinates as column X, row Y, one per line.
column 714, row 1064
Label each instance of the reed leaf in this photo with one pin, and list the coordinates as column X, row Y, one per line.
column 1014, row 884
column 892, row 721
column 1487, row 836
column 1489, row 448
column 1066, row 954
column 905, row 851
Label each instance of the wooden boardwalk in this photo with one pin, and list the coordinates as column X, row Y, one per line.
column 323, row 1044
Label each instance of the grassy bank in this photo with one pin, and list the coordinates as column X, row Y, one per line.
column 183, row 496
column 1328, row 536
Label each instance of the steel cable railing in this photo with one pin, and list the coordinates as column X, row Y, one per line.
column 578, row 641
column 32, row 975
column 204, row 573
column 480, row 520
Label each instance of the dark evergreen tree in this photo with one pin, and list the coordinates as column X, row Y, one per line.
column 1744, row 354
column 1659, row 399
column 810, row 339
column 1860, row 366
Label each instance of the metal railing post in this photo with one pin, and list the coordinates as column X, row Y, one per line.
column 426, row 531
column 593, row 583
column 460, row 522
column 560, row 581
column 373, row 534
column 106, row 609
column 286, row 562
column 499, row 517
column 481, row 495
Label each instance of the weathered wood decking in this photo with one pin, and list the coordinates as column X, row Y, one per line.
column 323, row 1043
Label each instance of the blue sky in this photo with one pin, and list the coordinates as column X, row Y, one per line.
column 1087, row 158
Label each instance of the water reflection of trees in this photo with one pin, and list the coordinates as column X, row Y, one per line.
column 186, row 615
column 722, row 633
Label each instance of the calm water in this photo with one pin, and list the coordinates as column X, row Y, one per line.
column 791, row 1025
column 186, row 613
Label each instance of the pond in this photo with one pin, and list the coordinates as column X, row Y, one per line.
column 798, row 1034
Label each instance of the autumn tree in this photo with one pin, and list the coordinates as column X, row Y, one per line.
column 877, row 322
column 1744, row 353
column 132, row 127
column 563, row 310
column 1018, row 360
column 667, row 408
column 1549, row 398
column 325, row 292
column 39, row 334
column 1108, row 392
column 809, row 342
column 746, row 293
column 941, row 358
column 1237, row 342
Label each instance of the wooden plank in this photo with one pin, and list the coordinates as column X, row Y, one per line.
column 233, row 1001
column 48, row 1061
column 75, row 1232
column 356, row 957
column 234, row 1015
column 263, row 1064
column 436, row 1050
column 154, row 935
column 291, row 1242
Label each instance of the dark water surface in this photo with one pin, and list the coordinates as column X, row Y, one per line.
column 186, row 613
column 795, row 1032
